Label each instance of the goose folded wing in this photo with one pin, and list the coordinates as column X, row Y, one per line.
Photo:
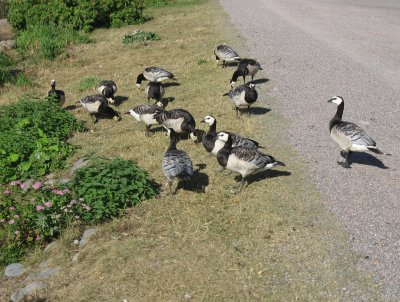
column 357, row 135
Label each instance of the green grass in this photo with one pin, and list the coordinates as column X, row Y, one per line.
column 88, row 83
column 10, row 74
column 47, row 41
column 171, row 3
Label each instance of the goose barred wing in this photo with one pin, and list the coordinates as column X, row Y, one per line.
column 253, row 156
column 159, row 72
column 94, row 98
column 147, row 109
column 237, row 140
column 357, row 135
column 226, row 52
column 176, row 163
column 234, row 93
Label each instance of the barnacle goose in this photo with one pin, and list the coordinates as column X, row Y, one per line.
column 211, row 142
column 350, row 137
column 246, row 67
column 178, row 119
column 154, row 74
column 176, row 163
column 243, row 160
column 97, row 105
column 155, row 91
column 108, row 88
column 144, row 114
column 225, row 54
column 243, row 96
column 58, row 95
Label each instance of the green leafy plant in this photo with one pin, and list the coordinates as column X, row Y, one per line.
column 33, row 215
column 178, row 3
column 88, row 83
column 10, row 74
column 33, row 136
column 80, row 14
column 109, row 186
column 140, row 36
column 47, row 41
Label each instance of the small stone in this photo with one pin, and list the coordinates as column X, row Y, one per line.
column 44, row 264
column 46, row 273
column 86, row 236
column 50, row 247
column 75, row 258
column 76, row 241
column 14, row 270
column 30, row 289
column 187, row 296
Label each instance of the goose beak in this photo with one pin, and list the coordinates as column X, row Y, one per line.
column 202, row 121
column 127, row 112
column 330, row 100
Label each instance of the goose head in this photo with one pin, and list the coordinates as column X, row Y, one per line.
column 252, row 86
column 223, row 136
column 337, row 100
column 208, row 119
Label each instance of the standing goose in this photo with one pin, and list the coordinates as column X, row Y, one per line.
column 56, row 94
column 144, row 114
column 243, row 96
column 243, row 160
column 350, row 137
column 97, row 105
column 225, row 54
column 211, row 142
column 246, row 67
column 155, row 91
column 178, row 119
column 154, row 74
column 176, row 163
column 108, row 88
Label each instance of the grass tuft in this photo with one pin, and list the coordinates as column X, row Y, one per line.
column 88, row 83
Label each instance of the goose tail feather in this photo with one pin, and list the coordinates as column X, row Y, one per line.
column 377, row 151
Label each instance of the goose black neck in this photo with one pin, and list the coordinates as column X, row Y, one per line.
column 213, row 128
column 235, row 75
column 53, row 86
column 173, row 141
column 338, row 116
column 140, row 78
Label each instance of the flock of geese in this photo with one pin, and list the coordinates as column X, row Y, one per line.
column 233, row 152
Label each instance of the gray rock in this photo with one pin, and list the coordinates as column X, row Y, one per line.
column 50, row 247
column 86, row 236
column 14, row 270
column 30, row 289
column 44, row 264
column 46, row 273
column 79, row 164
column 6, row 45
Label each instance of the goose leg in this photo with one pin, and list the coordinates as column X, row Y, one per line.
column 242, row 184
column 147, row 133
column 346, row 156
column 248, row 110
column 244, row 79
column 170, row 185
column 237, row 111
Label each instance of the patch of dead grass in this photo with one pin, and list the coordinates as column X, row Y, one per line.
column 274, row 242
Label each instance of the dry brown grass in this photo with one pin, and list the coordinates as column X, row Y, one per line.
column 274, row 242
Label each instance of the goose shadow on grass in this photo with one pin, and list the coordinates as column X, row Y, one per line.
column 366, row 159
column 264, row 175
column 198, row 182
column 119, row 99
column 254, row 111
column 171, row 84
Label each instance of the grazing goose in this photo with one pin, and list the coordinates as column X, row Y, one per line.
column 211, row 142
column 154, row 74
column 108, row 88
column 144, row 114
column 155, row 91
column 246, row 67
column 58, row 95
column 350, row 137
column 225, row 54
column 97, row 105
column 176, row 163
column 243, row 160
column 243, row 96
column 178, row 119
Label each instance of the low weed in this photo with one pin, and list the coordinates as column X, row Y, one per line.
column 140, row 36
column 33, row 136
column 33, row 215
column 109, row 186
column 176, row 3
column 10, row 74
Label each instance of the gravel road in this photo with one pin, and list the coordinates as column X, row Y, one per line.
column 312, row 50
